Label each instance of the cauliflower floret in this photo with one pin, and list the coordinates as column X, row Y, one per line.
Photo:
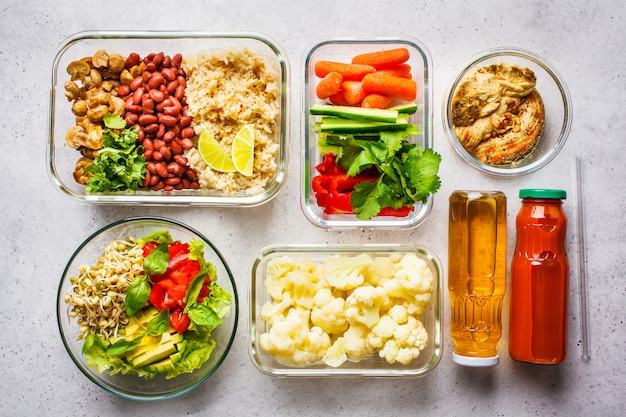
column 355, row 342
column 363, row 305
column 381, row 269
column 400, row 342
column 271, row 311
column 291, row 340
column 346, row 272
column 328, row 312
column 336, row 355
column 413, row 282
column 299, row 279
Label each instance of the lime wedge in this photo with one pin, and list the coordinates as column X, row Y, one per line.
column 243, row 150
column 214, row 154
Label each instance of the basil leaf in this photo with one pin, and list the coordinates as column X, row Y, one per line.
column 158, row 237
column 123, row 346
column 203, row 315
column 93, row 340
column 157, row 261
column 191, row 297
column 137, row 295
column 158, row 325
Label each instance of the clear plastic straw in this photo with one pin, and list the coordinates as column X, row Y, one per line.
column 582, row 261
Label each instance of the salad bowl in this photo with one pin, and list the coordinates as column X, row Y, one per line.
column 128, row 385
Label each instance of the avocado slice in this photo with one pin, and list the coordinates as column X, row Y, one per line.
column 151, row 350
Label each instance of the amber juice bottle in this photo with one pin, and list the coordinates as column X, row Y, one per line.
column 476, row 274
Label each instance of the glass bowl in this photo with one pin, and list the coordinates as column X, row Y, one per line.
column 371, row 366
column 343, row 50
column 556, row 102
column 62, row 158
column 131, row 386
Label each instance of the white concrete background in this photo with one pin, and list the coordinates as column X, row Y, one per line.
column 41, row 227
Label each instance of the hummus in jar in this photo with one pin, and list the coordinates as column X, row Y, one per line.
column 497, row 114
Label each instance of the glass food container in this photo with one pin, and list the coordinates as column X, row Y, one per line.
column 62, row 158
column 261, row 292
column 342, row 50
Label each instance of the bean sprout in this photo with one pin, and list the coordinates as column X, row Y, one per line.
column 96, row 296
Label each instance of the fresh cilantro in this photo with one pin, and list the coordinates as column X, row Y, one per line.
column 119, row 164
column 408, row 173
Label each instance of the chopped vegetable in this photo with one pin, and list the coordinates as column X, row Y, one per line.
column 376, row 101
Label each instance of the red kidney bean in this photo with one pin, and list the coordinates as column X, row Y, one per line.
column 148, row 154
column 191, row 174
column 123, row 90
column 147, row 119
column 177, row 60
column 180, row 160
column 172, row 86
column 137, row 95
column 180, row 92
column 156, row 80
column 187, row 132
column 156, row 95
column 150, row 67
column 186, row 143
column 169, row 74
column 172, row 180
column 158, row 59
column 132, row 60
column 169, row 136
column 146, row 179
column 166, row 152
column 151, row 129
column 157, row 156
column 172, row 111
column 167, row 61
column 131, row 118
column 135, row 108
column 147, row 103
column 185, row 121
column 181, row 80
column 176, row 148
column 158, row 186
column 150, row 167
column 148, row 144
column 174, row 168
column 166, row 120
column 160, row 169
column 136, row 83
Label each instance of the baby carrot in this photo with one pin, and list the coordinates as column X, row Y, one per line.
column 353, row 92
column 338, row 99
column 400, row 70
column 391, row 85
column 383, row 59
column 376, row 101
column 329, row 85
column 351, row 72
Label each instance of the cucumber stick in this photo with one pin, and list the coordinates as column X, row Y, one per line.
column 340, row 125
column 355, row 113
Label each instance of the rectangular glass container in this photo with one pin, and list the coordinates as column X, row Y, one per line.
column 373, row 366
column 342, row 50
column 61, row 159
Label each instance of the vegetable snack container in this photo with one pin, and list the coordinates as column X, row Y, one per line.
column 556, row 102
column 342, row 50
column 62, row 159
column 130, row 386
column 273, row 259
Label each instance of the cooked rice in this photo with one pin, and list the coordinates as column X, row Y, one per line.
column 226, row 90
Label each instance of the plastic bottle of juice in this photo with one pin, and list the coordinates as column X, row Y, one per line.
column 476, row 274
column 539, row 279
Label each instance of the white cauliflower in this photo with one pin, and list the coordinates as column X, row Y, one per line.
column 381, row 269
column 363, row 305
column 290, row 339
column 299, row 279
column 272, row 310
column 355, row 342
column 399, row 336
column 336, row 355
column 412, row 282
column 346, row 272
column 328, row 312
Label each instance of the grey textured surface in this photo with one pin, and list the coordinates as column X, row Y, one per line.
column 41, row 227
